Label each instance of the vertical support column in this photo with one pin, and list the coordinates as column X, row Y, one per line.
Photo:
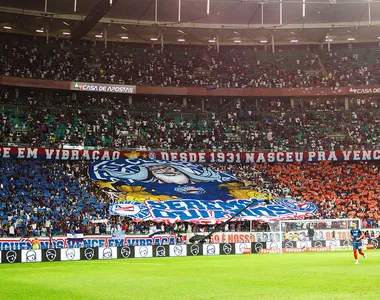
column 156, row 12
column 162, row 41
column 280, row 12
column 105, row 38
column 217, row 43
column 208, row 7
column 130, row 99
column 262, row 14
column 46, row 4
column 346, row 103
column 273, row 43
column 75, row 5
column 47, row 35
column 46, row 96
column 369, row 13
column 74, row 96
column 328, row 42
column 184, row 101
column 238, row 102
column 303, row 8
column 292, row 102
column 179, row 11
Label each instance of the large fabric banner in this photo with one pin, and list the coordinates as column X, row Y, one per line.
column 194, row 157
column 213, row 211
column 164, row 191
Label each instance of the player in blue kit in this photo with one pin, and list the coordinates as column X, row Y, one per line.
column 357, row 235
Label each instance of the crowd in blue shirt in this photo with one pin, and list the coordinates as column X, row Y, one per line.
column 38, row 197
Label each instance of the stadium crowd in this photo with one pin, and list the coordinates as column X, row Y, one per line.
column 224, row 124
column 39, row 198
column 42, row 198
column 137, row 64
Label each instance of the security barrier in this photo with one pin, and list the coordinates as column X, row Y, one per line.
column 128, row 252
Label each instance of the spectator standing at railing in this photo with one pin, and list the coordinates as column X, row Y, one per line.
column 35, row 244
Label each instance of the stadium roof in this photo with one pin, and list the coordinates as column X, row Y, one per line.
column 248, row 21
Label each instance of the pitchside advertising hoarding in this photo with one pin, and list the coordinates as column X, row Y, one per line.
column 103, row 88
column 330, row 238
column 364, row 90
column 195, row 157
column 178, row 250
column 321, row 237
column 89, row 241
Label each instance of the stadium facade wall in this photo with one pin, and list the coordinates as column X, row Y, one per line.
column 189, row 91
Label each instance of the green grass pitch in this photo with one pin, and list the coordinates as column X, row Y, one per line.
column 324, row 275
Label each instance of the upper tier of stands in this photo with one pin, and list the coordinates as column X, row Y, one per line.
column 178, row 65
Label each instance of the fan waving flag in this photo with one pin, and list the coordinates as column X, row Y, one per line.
column 166, row 191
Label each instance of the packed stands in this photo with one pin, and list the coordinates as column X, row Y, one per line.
column 33, row 204
column 39, row 197
column 233, row 67
column 26, row 117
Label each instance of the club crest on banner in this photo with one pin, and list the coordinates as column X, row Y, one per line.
column 172, row 191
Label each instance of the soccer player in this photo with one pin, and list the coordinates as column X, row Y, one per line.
column 356, row 236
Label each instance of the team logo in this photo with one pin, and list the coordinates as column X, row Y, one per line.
column 125, row 252
column 258, row 247
column 132, row 209
column 243, row 246
column 190, row 190
column 107, row 253
column 143, row 251
column 50, row 254
column 11, row 256
column 273, row 245
column 70, row 254
column 178, row 249
column 346, row 243
column 89, row 253
column 318, row 244
column 194, row 249
column 303, row 245
column 210, row 249
column 332, row 244
column 152, row 155
column 288, row 245
column 227, row 249
column 160, row 251
column 31, row 256
column 295, row 206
